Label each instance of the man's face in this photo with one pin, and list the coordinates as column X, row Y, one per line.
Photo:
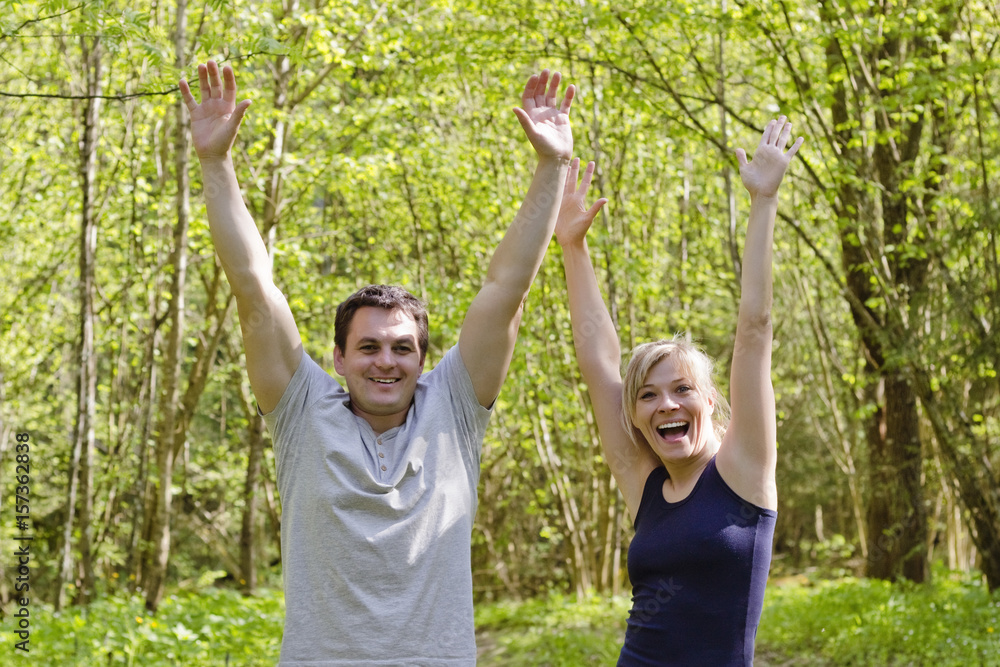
column 380, row 364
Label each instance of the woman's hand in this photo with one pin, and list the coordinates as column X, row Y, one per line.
column 762, row 176
column 574, row 216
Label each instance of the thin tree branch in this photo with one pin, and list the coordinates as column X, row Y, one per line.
column 40, row 19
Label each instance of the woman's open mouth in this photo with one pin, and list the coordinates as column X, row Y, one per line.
column 673, row 430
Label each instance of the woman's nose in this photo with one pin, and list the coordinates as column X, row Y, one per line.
column 667, row 403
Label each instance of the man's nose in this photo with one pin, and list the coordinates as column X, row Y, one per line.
column 385, row 358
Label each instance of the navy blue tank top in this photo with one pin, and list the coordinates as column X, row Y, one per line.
column 698, row 569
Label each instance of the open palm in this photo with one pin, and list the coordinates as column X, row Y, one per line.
column 214, row 122
column 762, row 175
column 575, row 218
column 544, row 121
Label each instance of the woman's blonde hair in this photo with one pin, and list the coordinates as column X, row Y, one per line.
column 691, row 360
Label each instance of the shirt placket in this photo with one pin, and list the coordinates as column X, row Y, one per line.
column 381, row 461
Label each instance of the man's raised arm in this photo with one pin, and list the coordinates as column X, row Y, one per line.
column 490, row 328
column 272, row 342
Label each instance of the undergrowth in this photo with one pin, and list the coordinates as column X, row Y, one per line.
column 950, row 623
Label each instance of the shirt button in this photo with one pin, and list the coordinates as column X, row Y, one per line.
column 379, row 441
column 381, row 455
column 383, row 467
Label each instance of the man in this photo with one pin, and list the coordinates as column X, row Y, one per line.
column 378, row 482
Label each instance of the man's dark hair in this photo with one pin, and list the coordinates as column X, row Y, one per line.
column 387, row 297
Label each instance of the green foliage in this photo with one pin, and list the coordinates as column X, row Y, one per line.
column 398, row 160
column 827, row 623
column 553, row 631
column 954, row 622
column 209, row 627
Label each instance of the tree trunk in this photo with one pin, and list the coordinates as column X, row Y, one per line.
column 896, row 517
column 563, row 491
column 173, row 354
column 978, row 485
column 251, row 491
column 143, row 488
column 81, row 476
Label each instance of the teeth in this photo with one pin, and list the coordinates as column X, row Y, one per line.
column 384, row 381
column 663, row 427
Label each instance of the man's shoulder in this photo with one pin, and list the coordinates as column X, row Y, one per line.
column 313, row 373
column 311, row 387
column 447, row 390
column 444, row 369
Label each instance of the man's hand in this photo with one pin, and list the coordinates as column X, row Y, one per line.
column 546, row 124
column 214, row 122
column 574, row 216
column 762, row 176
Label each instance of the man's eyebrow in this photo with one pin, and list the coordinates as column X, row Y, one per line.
column 409, row 340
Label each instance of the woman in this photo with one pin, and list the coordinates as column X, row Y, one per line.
column 701, row 491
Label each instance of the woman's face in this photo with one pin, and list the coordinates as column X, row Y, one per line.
column 673, row 414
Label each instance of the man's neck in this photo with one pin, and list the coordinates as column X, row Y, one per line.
column 380, row 423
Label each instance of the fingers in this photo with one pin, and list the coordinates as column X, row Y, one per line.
column 540, row 84
column 214, row 81
column 784, row 133
column 772, row 131
column 550, row 98
column 229, row 84
column 186, row 95
column 777, row 134
column 795, row 147
column 203, row 86
column 596, row 208
column 741, row 157
column 568, row 99
column 534, row 91
column 571, row 175
column 525, row 120
column 528, row 96
column 239, row 111
column 587, row 175
column 210, row 85
column 542, row 90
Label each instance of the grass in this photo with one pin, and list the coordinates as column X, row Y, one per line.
column 952, row 622
column 555, row 631
column 210, row 627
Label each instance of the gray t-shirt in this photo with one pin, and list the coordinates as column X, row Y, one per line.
column 376, row 530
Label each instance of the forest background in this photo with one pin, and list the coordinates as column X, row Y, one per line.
column 381, row 147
